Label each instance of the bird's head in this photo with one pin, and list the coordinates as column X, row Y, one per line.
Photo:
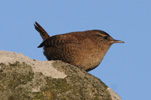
column 104, row 38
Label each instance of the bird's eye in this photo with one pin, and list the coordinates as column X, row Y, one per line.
column 105, row 37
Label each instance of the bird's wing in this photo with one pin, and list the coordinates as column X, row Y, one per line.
column 42, row 32
column 59, row 40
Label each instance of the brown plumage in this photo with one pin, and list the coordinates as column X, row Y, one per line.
column 42, row 32
column 84, row 49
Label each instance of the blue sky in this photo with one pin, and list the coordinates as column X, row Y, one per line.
column 126, row 67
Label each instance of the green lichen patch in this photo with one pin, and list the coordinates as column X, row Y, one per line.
column 19, row 82
column 82, row 85
column 11, row 76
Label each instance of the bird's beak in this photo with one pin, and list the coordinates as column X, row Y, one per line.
column 117, row 41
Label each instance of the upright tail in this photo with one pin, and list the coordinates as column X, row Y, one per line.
column 42, row 32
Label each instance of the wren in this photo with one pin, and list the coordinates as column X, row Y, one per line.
column 84, row 49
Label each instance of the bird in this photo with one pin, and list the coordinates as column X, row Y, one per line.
column 83, row 49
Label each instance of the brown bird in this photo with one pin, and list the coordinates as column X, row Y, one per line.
column 84, row 49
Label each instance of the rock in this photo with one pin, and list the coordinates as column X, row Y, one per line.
column 22, row 78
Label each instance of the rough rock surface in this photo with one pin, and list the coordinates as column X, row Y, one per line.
column 22, row 78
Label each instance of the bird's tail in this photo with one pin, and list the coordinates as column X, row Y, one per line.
column 42, row 32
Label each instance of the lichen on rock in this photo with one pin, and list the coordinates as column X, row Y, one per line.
column 20, row 80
